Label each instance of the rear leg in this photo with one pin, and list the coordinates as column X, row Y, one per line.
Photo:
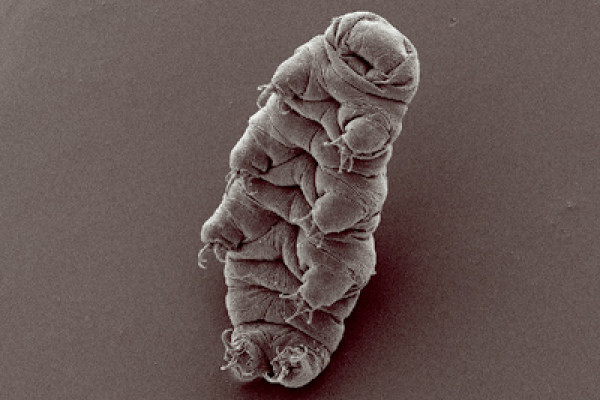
column 279, row 353
column 298, row 359
column 244, row 354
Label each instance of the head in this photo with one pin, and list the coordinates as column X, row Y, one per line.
column 371, row 55
column 379, row 46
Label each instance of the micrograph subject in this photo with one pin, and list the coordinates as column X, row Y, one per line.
column 304, row 195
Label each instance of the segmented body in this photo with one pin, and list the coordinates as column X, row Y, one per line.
column 307, row 185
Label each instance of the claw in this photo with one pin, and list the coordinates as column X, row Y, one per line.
column 219, row 249
column 220, row 252
column 202, row 255
column 290, row 296
column 350, row 159
column 243, row 357
column 315, row 236
column 231, row 177
column 310, row 313
column 266, row 90
column 295, row 366
column 336, row 142
column 232, row 362
column 302, row 307
column 306, row 222
column 346, row 155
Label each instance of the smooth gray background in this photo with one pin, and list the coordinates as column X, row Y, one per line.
column 116, row 120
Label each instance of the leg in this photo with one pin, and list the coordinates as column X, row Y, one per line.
column 288, row 203
column 279, row 353
column 299, row 171
column 237, row 219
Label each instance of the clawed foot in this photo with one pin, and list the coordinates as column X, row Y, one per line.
column 244, row 357
column 346, row 155
column 316, row 237
column 302, row 307
column 278, row 353
column 202, row 255
column 313, row 233
column 265, row 92
column 295, row 366
column 244, row 176
column 306, row 222
column 219, row 250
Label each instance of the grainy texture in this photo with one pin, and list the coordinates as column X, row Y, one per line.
column 304, row 197
column 116, row 120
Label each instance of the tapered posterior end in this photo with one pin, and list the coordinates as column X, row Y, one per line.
column 202, row 261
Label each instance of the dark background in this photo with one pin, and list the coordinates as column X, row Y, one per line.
column 116, row 121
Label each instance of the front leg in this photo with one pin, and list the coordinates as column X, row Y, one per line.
column 322, row 286
column 248, row 154
column 258, row 150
